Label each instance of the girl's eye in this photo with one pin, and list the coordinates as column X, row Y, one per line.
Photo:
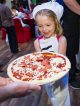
column 39, row 26
column 48, row 25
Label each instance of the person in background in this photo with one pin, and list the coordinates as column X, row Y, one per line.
column 10, row 89
column 71, row 28
column 25, row 3
column 52, row 40
column 7, row 23
column 14, row 11
column 19, row 15
column 42, row 1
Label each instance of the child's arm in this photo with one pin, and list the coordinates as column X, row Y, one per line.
column 37, row 46
column 62, row 45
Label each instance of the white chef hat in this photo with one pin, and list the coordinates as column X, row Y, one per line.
column 54, row 6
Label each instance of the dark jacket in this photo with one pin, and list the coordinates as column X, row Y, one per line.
column 6, row 16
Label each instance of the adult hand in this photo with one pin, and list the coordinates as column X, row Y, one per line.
column 21, row 88
column 16, row 89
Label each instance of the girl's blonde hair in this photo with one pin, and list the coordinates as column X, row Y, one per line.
column 52, row 15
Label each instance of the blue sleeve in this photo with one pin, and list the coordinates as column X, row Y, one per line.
column 60, row 2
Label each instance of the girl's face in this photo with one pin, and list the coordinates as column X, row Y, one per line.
column 46, row 25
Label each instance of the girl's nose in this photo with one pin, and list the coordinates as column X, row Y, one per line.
column 44, row 28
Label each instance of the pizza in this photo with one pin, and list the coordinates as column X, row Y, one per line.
column 39, row 67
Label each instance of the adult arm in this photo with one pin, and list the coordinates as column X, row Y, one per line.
column 16, row 89
column 73, row 5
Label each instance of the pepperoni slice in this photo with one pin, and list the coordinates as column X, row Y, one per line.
column 27, row 79
column 29, row 74
column 34, row 67
column 18, row 75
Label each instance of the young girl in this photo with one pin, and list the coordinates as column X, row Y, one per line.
column 52, row 40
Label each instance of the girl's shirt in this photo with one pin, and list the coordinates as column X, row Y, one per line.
column 49, row 45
